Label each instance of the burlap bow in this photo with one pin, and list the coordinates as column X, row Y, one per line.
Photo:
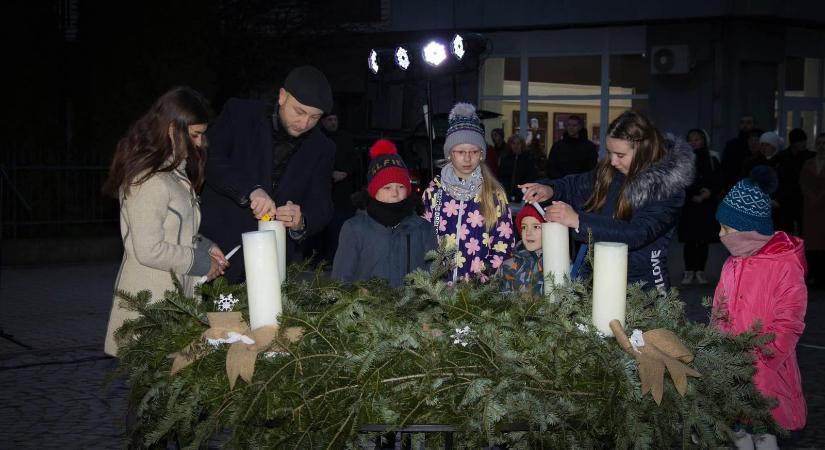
column 240, row 359
column 662, row 348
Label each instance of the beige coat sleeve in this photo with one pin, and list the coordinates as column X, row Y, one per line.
column 146, row 208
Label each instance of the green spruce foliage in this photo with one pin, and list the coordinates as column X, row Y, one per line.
column 502, row 368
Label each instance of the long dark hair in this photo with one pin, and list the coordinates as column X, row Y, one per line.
column 147, row 148
column 649, row 145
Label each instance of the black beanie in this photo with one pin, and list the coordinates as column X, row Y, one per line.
column 310, row 87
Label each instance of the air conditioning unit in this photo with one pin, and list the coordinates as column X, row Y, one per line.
column 669, row 59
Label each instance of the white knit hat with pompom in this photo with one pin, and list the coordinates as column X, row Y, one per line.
column 464, row 128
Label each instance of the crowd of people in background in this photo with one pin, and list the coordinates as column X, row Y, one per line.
column 289, row 160
column 697, row 226
column 796, row 201
column 797, row 197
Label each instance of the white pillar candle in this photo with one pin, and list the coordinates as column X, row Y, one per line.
column 280, row 242
column 263, row 288
column 555, row 248
column 609, row 284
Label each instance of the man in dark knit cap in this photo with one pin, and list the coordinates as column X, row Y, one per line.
column 270, row 159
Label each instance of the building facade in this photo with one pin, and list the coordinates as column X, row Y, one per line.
column 698, row 64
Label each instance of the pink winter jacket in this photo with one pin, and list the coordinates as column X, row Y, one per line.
column 769, row 286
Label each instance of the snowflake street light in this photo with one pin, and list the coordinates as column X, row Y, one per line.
column 402, row 58
column 458, row 46
column 435, row 53
column 372, row 61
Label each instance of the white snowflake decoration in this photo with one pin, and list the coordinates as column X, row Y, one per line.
column 585, row 329
column 225, row 303
column 460, row 335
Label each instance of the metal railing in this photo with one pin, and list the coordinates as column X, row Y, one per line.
column 418, row 437
column 398, row 441
column 54, row 201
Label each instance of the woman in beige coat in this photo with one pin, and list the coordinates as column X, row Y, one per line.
column 157, row 169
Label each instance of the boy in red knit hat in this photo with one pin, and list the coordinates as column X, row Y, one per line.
column 387, row 239
column 523, row 272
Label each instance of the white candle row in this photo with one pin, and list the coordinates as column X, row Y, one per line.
column 265, row 264
column 280, row 242
column 555, row 249
column 609, row 284
column 264, row 254
column 609, row 273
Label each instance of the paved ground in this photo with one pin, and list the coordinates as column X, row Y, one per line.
column 52, row 393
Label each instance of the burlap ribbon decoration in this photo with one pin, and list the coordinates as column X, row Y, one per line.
column 662, row 349
column 241, row 357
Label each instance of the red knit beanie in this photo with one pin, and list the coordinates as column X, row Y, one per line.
column 386, row 167
column 527, row 211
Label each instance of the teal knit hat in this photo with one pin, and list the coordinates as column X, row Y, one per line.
column 747, row 207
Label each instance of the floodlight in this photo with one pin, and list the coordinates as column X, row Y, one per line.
column 435, row 53
column 458, row 46
column 402, row 58
column 372, row 61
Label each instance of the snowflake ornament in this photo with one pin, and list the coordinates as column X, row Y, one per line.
column 585, row 329
column 460, row 335
column 225, row 303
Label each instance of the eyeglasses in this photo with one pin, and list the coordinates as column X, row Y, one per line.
column 463, row 154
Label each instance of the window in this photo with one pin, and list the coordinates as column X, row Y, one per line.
column 559, row 85
column 564, row 75
column 629, row 74
column 801, row 95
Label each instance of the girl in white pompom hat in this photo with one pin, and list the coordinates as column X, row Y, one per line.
column 466, row 205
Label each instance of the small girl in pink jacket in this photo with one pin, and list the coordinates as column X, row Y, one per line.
column 763, row 280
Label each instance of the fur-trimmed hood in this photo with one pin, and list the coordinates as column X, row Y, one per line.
column 671, row 174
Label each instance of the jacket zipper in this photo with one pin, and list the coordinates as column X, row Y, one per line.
column 458, row 237
column 738, row 269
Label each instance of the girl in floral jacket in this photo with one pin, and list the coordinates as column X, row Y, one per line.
column 466, row 204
